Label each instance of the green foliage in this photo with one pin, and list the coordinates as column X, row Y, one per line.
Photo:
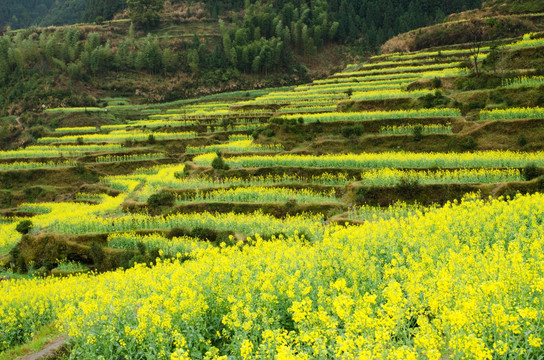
column 352, row 131
column 408, row 188
column 522, row 140
column 18, row 261
column 145, row 12
column 204, row 234
column 97, row 255
column 24, row 227
column 417, row 132
column 218, row 163
column 161, row 199
column 530, row 172
column 468, row 143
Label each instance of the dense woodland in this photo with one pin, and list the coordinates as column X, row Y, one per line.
column 374, row 20
column 259, row 37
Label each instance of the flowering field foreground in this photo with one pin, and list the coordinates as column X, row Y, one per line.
column 462, row 282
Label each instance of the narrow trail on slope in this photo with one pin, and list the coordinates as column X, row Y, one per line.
column 50, row 351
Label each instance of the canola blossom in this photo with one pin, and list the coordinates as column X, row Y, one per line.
column 235, row 146
column 409, row 129
column 246, row 224
column 389, row 94
column 170, row 247
column 257, row 195
column 375, row 115
column 117, row 136
column 463, row 281
column 23, row 165
column 489, row 159
column 512, row 114
column 135, row 157
column 43, row 151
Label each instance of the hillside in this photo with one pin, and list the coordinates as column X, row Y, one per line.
column 199, row 47
column 390, row 209
column 494, row 21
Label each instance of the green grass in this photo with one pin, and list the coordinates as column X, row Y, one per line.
column 43, row 337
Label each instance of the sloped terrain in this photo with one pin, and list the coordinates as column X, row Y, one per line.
column 370, row 214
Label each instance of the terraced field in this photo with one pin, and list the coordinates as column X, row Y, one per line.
column 366, row 215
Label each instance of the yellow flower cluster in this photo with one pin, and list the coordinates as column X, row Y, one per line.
column 462, row 282
column 44, row 151
column 259, row 194
column 487, row 159
column 117, row 136
column 512, row 114
column 235, row 146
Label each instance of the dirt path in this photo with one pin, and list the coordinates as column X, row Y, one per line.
column 50, row 351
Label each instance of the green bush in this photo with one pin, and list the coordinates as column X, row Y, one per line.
column 161, row 199
column 522, row 140
column 530, row 172
column 98, row 255
column 352, row 131
column 269, row 132
column 24, row 227
column 219, row 164
column 408, row 188
column 204, row 234
column 468, row 143
column 177, row 232
column 417, row 133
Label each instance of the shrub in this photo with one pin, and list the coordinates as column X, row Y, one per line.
column 522, row 140
column 161, row 199
column 97, row 255
column 204, row 234
column 417, row 132
column 290, row 206
column 437, row 83
column 361, row 194
column 530, row 172
column 24, row 227
column 408, row 188
column 468, row 143
column 18, row 263
column 151, row 139
column 269, row 132
column 219, row 164
column 349, row 131
column 177, row 232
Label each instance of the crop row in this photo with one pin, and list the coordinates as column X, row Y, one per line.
column 488, row 159
column 256, row 195
column 38, row 151
column 22, row 165
column 512, row 114
column 135, row 157
column 394, row 93
column 375, row 115
column 400, row 69
column 411, row 129
column 235, row 146
column 171, row 247
column 117, row 136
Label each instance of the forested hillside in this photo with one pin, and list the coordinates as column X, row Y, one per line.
column 373, row 20
column 198, row 44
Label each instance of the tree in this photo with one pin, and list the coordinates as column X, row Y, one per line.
column 145, row 12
